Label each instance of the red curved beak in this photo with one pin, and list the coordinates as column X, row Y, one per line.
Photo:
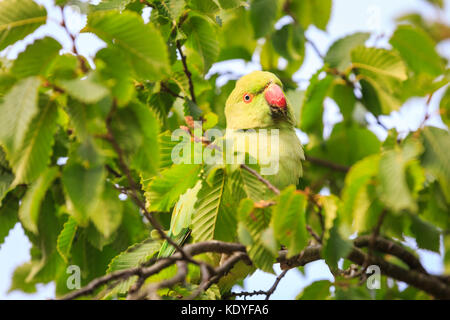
column 275, row 96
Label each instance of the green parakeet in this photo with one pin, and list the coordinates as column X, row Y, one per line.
column 256, row 105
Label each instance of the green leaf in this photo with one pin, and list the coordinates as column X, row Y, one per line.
column 32, row 158
column 136, row 130
column 84, row 89
column 203, row 39
column 307, row 12
column 37, row 58
column 252, row 225
column 165, row 189
column 426, row 234
column 31, row 202
column 254, row 189
column 210, row 200
column 381, row 73
column 108, row 214
column 19, row 18
column 335, row 247
column 140, row 42
column 394, row 189
column 83, row 187
column 8, row 216
column 116, row 70
column 263, row 14
column 18, row 107
column 66, row 238
column 355, row 196
column 134, row 255
column 417, row 49
column 130, row 258
column 6, row 180
column 289, row 42
column 205, row 6
column 435, row 157
column 288, row 220
column 378, row 63
column 338, row 55
column 231, row 4
column 19, row 279
column 312, row 109
column 318, row 290
column 172, row 9
column 345, row 98
column 111, row 5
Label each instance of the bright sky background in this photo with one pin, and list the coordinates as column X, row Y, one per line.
column 348, row 16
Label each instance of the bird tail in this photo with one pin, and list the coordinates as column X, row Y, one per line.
column 167, row 249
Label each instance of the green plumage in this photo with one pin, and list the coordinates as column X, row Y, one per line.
column 245, row 120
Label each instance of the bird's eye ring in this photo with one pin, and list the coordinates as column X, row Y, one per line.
column 248, row 97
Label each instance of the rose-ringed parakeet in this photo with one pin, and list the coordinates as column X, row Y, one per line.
column 256, row 103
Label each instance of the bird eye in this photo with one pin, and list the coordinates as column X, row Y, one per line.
column 248, row 97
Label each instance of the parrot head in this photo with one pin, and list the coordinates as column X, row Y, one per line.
column 258, row 101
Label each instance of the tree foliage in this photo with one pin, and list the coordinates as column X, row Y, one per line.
column 85, row 164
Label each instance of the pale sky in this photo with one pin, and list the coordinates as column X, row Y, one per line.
column 348, row 16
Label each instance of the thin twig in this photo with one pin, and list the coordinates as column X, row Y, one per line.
column 82, row 62
column 275, row 285
column 186, row 71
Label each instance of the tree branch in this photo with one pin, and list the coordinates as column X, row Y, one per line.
column 328, row 164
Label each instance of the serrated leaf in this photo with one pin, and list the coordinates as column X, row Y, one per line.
column 31, row 202
column 130, row 258
column 6, row 180
column 37, row 58
column 111, row 5
column 66, row 237
column 203, row 39
column 338, row 55
column 417, row 49
column 165, row 189
column 214, row 216
column 141, row 43
column 255, row 221
column 288, row 220
column 18, row 108
column 18, row 18
column 172, row 9
column 8, row 216
column 32, row 158
column 375, row 62
column 207, row 208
